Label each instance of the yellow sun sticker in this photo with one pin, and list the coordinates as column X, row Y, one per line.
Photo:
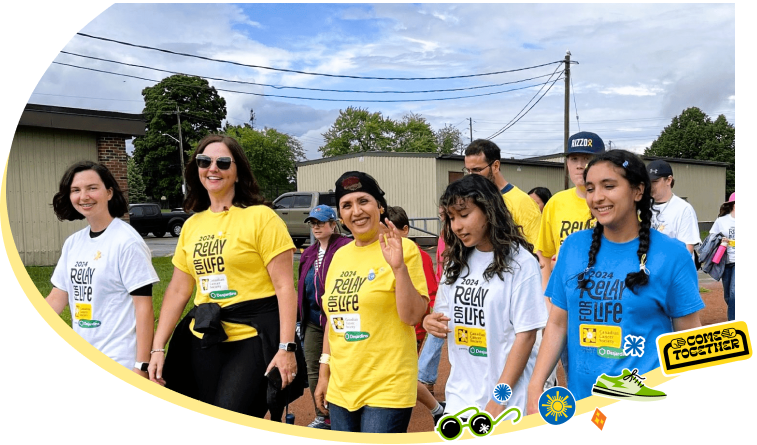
column 598, row 335
column 703, row 347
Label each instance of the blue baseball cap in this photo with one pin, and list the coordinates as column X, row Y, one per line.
column 586, row 142
column 322, row 213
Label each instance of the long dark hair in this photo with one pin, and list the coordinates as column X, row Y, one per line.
column 632, row 168
column 506, row 237
column 246, row 190
column 726, row 208
column 62, row 206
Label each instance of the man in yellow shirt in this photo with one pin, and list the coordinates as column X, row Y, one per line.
column 567, row 212
column 482, row 157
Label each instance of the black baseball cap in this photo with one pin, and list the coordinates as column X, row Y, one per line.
column 659, row 169
column 586, row 142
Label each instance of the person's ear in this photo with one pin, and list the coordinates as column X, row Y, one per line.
column 638, row 192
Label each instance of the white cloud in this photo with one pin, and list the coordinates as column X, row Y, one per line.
column 632, row 91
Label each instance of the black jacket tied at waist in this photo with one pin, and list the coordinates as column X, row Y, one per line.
column 262, row 314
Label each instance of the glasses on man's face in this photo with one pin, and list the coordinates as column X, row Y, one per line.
column 315, row 224
column 476, row 170
column 223, row 162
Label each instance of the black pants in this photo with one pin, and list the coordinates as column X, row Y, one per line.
column 231, row 375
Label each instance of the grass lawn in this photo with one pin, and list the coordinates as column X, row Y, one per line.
column 41, row 278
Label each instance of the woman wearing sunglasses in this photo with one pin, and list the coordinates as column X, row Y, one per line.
column 314, row 262
column 238, row 254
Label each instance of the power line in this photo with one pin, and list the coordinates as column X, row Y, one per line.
column 281, row 87
column 519, row 116
column 305, row 72
column 574, row 103
column 313, row 98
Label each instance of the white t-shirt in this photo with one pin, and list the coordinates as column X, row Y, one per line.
column 726, row 225
column 677, row 219
column 484, row 318
column 98, row 274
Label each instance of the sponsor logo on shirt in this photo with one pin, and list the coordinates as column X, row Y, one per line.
column 89, row 323
column 612, row 353
column 356, row 336
column 222, row 295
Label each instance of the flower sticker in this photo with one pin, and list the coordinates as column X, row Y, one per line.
column 634, row 346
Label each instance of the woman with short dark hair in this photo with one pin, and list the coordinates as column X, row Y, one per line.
column 105, row 271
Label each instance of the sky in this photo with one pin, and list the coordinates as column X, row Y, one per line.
column 637, row 66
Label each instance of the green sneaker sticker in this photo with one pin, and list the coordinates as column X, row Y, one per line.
column 222, row 294
column 477, row 351
column 629, row 385
column 89, row 324
column 356, row 335
column 613, row 353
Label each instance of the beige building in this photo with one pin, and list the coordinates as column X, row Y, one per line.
column 415, row 181
column 47, row 141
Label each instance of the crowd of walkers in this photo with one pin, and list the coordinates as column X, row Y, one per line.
column 522, row 281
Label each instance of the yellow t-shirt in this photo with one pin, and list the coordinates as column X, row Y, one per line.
column 373, row 353
column 564, row 213
column 227, row 254
column 525, row 212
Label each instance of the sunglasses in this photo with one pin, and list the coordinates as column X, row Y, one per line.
column 223, row 162
column 480, row 424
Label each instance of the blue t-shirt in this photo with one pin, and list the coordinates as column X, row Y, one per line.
column 312, row 311
column 609, row 326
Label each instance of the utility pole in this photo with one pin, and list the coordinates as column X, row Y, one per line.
column 181, row 155
column 567, row 115
column 471, row 128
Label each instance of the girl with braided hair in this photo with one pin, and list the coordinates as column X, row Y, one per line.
column 617, row 287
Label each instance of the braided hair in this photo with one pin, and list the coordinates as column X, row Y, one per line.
column 632, row 168
column 506, row 236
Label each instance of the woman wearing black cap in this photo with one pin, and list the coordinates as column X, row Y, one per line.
column 375, row 294
column 314, row 262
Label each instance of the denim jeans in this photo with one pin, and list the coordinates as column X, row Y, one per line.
column 729, row 289
column 428, row 362
column 369, row 419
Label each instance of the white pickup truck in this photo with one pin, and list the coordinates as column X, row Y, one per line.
column 294, row 207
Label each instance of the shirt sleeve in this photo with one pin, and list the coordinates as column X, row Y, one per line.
column 690, row 227
column 556, row 286
column 273, row 238
column 683, row 292
column 544, row 242
column 415, row 266
column 179, row 259
column 527, row 308
column 135, row 266
column 428, row 271
column 60, row 278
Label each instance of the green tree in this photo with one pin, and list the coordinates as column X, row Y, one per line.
column 357, row 130
column 693, row 135
column 135, row 182
column 273, row 156
column 200, row 110
column 413, row 134
column 449, row 140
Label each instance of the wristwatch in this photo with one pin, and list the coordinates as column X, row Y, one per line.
column 289, row 347
column 142, row 366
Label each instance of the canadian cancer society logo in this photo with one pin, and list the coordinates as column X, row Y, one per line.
column 703, row 347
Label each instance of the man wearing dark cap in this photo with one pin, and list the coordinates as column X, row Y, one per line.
column 567, row 212
column 671, row 215
column 482, row 157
